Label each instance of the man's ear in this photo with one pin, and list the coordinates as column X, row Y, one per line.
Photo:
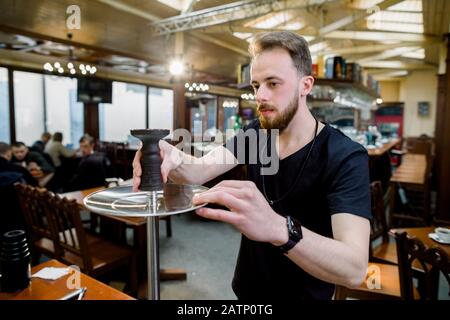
column 306, row 86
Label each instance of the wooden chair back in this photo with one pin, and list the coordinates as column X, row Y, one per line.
column 67, row 229
column 33, row 211
column 434, row 262
column 379, row 227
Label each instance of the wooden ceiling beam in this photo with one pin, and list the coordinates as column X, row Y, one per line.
column 387, row 54
column 372, row 48
column 152, row 18
column 358, row 15
column 397, row 64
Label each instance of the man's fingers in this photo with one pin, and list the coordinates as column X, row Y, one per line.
column 137, row 170
column 136, row 183
column 237, row 184
column 218, row 197
column 164, row 172
column 219, row 215
column 238, row 193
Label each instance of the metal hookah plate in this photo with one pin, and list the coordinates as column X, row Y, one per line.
column 122, row 201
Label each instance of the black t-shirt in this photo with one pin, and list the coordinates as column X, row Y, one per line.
column 335, row 180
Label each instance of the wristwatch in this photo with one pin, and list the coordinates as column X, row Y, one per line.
column 294, row 232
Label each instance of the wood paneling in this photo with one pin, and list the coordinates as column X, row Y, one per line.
column 91, row 120
column 443, row 143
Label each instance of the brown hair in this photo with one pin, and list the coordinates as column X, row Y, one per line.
column 4, row 148
column 295, row 44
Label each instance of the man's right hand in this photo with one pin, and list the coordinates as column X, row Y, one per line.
column 171, row 159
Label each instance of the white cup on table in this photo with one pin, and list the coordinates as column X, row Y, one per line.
column 443, row 233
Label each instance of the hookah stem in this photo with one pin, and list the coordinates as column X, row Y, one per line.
column 153, row 252
column 151, row 181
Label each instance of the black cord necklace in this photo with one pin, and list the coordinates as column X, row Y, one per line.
column 271, row 202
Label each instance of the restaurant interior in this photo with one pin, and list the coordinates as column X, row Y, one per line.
column 77, row 76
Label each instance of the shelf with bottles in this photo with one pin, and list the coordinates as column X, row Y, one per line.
column 340, row 93
column 348, row 84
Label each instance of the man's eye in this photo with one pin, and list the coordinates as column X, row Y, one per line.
column 273, row 84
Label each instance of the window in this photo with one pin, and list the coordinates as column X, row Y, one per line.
column 160, row 104
column 29, row 106
column 4, row 106
column 230, row 110
column 126, row 112
column 212, row 114
column 64, row 113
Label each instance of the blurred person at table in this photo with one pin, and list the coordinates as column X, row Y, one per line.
column 305, row 225
column 93, row 167
column 39, row 145
column 7, row 167
column 56, row 149
column 86, row 145
column 36, row 164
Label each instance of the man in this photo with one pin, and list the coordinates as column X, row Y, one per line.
column 6, row 167
column 306, row 227
column 56, row 149
column 34, row 162
column 39, row 145
column 86, row 145
column 92, row 169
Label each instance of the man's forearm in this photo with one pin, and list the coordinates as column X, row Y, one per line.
column 194, row 170
column 190, row 171
column 328, row 259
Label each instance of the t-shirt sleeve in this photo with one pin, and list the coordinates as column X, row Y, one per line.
column 349, row 190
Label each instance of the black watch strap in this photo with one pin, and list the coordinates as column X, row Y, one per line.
column 294, row 232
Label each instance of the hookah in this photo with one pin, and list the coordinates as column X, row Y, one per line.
column 156, row 199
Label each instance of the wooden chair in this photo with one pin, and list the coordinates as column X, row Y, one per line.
column 37, row 221
column 410, row 200
column 420, row 145
column 386, row 252
column 383, row 258
column 434, row 261
column 76, row 246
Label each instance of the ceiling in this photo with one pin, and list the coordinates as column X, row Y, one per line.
column 388, row 37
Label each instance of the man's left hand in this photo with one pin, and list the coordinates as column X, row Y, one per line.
column 249, row 211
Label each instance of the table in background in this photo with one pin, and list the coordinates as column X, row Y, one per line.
column 41, row 289
column 383, row 149
column 413, row 175
column 422, row 234
column 138, row 225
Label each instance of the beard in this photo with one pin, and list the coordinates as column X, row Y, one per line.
column 280, row 121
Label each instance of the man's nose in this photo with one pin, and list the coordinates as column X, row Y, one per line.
column 262, row 94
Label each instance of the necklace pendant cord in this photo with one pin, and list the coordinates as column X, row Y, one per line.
column 270, row 201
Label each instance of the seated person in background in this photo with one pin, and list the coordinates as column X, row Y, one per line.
column 39, row 168
column 6, row 167
column 39, row 145
column 11, row 216
column 56, row 149
column 93, row 168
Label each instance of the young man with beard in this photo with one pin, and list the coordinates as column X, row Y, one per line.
column 306, row 227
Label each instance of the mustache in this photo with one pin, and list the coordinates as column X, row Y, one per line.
column 265, row 106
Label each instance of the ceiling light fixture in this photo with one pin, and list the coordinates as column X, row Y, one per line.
column 57, row 67
column 196, row 87
column 176, row 67
column 247, row 96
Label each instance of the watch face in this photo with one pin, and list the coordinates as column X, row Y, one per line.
column 295, row 230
